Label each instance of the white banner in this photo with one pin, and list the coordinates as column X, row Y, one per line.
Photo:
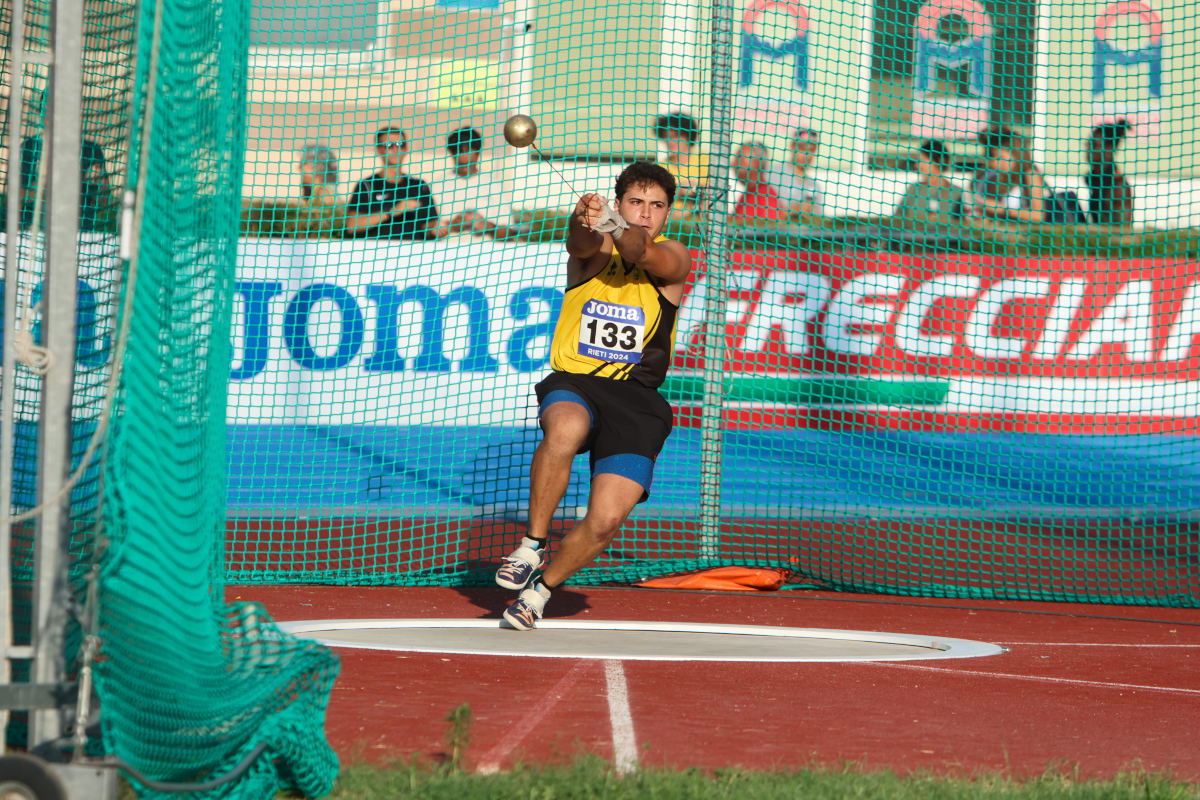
column 381, row 333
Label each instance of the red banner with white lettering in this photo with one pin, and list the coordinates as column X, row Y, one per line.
column 952, row 315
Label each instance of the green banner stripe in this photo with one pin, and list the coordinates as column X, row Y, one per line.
column 811, row 391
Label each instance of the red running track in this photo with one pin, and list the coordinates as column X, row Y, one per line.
column 1086, row 688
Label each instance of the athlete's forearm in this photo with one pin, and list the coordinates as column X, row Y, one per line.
column 633, row 244
column 665, row 260
column 582, row 242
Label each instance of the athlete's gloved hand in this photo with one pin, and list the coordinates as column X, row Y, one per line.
column 609, row 221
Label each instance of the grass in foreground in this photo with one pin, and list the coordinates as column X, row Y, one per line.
column 589, row 777
column 594, row 779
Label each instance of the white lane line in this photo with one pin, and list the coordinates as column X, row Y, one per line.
column 1039, row 678
column 490, row 763
column 624, row 742
column 1090, row 644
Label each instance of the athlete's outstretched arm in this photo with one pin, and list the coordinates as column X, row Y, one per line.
column 582, row 241
column 669, row 261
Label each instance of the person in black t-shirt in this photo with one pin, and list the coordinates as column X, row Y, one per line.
column 390, row 204
column 97, row 199
column 1110, row 197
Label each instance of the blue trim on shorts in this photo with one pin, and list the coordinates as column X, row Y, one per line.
column 628, row 465
column 567, row 396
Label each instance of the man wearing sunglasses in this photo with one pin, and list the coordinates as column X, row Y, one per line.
column 391, row 204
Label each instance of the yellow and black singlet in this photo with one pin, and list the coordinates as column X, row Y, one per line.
column 617, row 325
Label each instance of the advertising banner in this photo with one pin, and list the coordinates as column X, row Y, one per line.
column 402, row 373
column 98, row 272
column 772, row 68
column 404, row 333
column 952, row 81
column 1127, row 65
column 959, row 341
column 381, row 333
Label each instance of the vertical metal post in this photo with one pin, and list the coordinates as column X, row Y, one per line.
column 517, row 79
column 862, row 108
column 51, row 596
column 1041, row 86
column 679, row 81
column 716, row 266
column 8, row 381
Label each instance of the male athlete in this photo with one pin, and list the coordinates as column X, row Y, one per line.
column 611, row 349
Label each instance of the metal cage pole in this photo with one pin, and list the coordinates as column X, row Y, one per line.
column 51, row 595
column 716, row 267
column 8, row 381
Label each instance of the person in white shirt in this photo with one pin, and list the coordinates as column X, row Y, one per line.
column 318, row 171
column 800, row 193
column 1010, row 187
column 472, row 202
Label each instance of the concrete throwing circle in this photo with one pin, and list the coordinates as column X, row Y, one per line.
column 634, row 641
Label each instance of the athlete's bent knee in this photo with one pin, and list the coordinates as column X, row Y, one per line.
column 603, row 523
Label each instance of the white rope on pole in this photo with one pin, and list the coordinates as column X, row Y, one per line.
column 38, row 359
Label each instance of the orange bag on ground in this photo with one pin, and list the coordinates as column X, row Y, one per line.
column 728, row 579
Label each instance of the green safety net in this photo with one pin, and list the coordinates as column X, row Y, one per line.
column 194, row 690
column 937, row 340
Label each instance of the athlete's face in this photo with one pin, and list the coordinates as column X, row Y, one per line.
column 646, row 206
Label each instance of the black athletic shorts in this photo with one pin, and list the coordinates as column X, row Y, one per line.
column 630, row 422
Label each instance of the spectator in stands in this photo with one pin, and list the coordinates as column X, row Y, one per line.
column 759, row 204
column 391, row 204
column 1012, row 188
column 97, row 198
column 472, row 201
column 932, row 205
column 1110, row 197
column 318, row 169
column 801, row 194
column 680, row 134
column 31, row 162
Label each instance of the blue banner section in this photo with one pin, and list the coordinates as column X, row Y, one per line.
column 290, row 470
column 85, row 494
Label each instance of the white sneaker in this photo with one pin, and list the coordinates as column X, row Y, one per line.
column 527, row 609
column 519, row 566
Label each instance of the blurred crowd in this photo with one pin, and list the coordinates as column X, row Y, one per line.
column 1003, row 187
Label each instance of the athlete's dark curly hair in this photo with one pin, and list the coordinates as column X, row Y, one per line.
column 641, row 173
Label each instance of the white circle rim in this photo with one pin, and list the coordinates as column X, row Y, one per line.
column 936, row 647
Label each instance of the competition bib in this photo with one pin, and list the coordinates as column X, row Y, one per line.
column 612, row 332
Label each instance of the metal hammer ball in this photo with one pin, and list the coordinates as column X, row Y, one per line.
column 520, row 130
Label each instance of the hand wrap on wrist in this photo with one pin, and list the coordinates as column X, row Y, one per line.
column 611, row 222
